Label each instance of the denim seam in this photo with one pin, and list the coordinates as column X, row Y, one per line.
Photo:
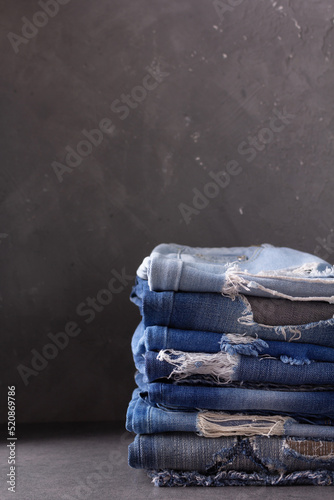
column 180, row 251
column 171, row 309
column 179, row 269
column 221, row 261
column 255, row 255
column 165, row 336
column 149, row 415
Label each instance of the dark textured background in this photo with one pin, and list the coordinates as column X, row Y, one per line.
column 60, row 241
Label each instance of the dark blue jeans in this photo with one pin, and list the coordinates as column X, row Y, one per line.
column 212, row 312
column 306, row 403
column 155, row 338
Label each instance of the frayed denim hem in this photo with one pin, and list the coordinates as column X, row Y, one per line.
column 170, row 478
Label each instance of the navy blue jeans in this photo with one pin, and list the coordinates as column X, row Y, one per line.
column 213, row 312
column 155, row 338
column 307, row 403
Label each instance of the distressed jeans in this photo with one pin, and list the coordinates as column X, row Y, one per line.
column 270, row 455
column 233, row 389
column 222, row 368
column 184, row 459
column 156, row 338
column 145, row 418
column 213, row 312
column 264, row 270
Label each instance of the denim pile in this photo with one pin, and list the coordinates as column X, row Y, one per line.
column 235, row 367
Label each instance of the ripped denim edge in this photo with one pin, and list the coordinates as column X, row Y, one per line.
column 171, row 478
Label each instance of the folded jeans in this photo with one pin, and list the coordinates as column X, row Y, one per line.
column 223, row 367
column 271, row 455
column 155, row 338
column 264, row 270
column 216, row 313
column 144, row 418
column 305, row 403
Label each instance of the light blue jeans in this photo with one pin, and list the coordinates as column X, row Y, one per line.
column 144, row 418
column 264, row 270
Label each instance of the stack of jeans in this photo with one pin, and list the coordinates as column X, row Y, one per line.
column 235, row 367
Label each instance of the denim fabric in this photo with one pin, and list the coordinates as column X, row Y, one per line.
column 265, row 270
column 215, row 313
column 138, row 344
column 307, row 403
column 170, row 478
column 144, row 418
column 155, row 338
column 144, row 385
column 301, row 417
column 248, row 362
column 225, row 368
column 271, row 455
column 210, row 381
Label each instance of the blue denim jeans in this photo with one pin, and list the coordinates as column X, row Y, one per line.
column 189, row 452
column 264, row 270
column 213, row 312
column 184, row 397
column 156, row 338
column 191, row 431
column 144, row 385
column 144, row 418
column 222, row 367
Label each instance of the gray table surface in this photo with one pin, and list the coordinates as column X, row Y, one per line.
column 71, row 462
